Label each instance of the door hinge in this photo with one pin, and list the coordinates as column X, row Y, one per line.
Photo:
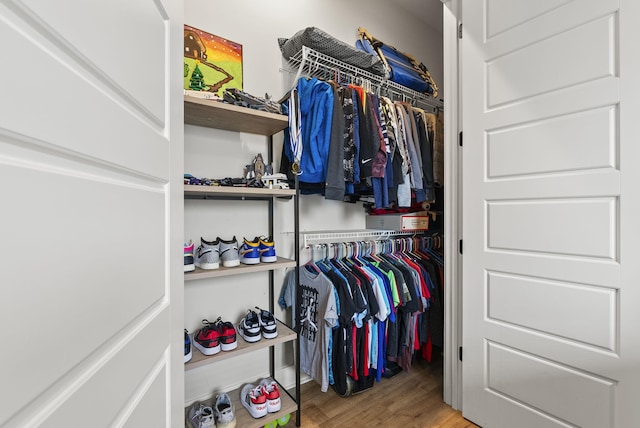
column 460, row 246
column 460, row 138
column 460, row 30
column 460, row 353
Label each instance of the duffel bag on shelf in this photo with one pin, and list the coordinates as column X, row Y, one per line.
column 402, row 68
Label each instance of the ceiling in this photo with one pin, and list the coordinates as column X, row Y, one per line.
column 428, row 11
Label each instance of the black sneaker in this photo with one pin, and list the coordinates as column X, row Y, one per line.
column 268, row 324
column 249, row 327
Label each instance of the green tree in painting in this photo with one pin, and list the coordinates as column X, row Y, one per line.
column 197, row 80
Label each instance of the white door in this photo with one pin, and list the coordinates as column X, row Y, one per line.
column 551, row 166
column 89, row 244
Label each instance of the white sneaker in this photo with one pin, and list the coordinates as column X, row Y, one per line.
column 270, row 389
column 201, row 416
column 254, row 400
column 267, row 323
column 249, row 327
column 224, row 411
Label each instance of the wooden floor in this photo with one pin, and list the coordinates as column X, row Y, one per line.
column 409, row 400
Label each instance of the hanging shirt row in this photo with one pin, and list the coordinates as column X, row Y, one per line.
column 361, row 313
column 347, row 142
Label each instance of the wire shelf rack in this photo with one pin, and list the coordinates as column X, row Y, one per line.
column 311, row 238
column 308, row 62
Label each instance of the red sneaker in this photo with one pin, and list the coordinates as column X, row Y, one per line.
column 207, row 339
column 227, row 335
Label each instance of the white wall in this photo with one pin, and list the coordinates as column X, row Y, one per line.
column 257, row 26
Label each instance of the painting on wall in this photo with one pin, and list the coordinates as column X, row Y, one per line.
column 211, row 63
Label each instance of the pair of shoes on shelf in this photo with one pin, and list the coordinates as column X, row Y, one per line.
column 255, row 325
column 210, row 254
column 201, row 416
column 262, row 398
column 212, row 338
column 261, row 249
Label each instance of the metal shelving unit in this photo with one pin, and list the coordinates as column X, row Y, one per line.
column 218, row 115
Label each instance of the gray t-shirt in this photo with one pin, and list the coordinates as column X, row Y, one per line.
column 318, row 315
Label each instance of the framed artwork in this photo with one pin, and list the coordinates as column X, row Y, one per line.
column 211, row 63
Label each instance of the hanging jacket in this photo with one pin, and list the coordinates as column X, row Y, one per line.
column 316, row 110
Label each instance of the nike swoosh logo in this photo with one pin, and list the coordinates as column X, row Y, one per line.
column 365, row 161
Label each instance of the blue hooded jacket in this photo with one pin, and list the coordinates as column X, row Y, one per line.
column 316, row 110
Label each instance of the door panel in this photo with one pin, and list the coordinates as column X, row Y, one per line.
column 545, row 146
column 549, row 276
column 91, row 230
column 549, row 226
column 503, row 15
column 525, row 72
column 128, row 366
column 569, row 394
column 43, row 70
column 128, row 59
column 579, row 312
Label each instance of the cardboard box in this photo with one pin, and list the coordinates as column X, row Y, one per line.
column 399, row 222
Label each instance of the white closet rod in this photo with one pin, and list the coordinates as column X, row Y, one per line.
column 315, row 64
column 350, row 236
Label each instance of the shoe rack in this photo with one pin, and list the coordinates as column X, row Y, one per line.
column 217, row 115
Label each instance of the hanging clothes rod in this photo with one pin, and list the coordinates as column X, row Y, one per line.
column 350, row 236
column 308, row 62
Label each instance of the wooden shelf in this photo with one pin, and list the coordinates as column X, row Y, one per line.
column 285, row 334
column 215, row 114
column 195, row 190
column 244, row 419
column 238, row 270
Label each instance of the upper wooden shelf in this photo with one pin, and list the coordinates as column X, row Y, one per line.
column 215, row 114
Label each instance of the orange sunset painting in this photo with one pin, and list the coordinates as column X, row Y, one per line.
column 211, row 63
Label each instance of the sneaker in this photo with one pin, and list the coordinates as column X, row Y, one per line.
column 271, row 391
column 268, row 324
column 187, row 347
column 224, row 412
column 188, row 257
column 229, row 252
column 227, row 335
column 249, row 327
column 201, row 416
column 208, row 255
column 207, row 339
column 250, row 252
column 267, row 250
column 254, row 400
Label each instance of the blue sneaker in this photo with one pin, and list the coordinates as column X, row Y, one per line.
column 250, row 252
column 187, row 346
column 267, row 250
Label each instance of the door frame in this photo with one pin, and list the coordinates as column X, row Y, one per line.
column 452, row 388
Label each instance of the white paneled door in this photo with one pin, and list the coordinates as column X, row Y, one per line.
column 551, row 165
column 89, row 242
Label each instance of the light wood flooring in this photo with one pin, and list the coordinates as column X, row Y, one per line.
column 409, row 400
